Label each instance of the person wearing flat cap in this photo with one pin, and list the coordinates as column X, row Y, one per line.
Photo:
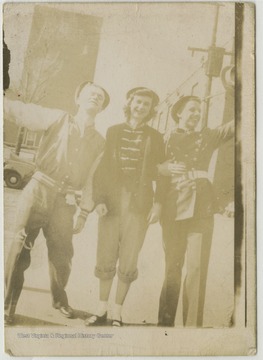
column 67, row 155
column 187, row 216
column 125, row 200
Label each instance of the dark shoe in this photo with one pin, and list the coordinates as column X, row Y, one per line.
column 96, row 320
column 117, row 323
column 9, row 320
column 66, row 311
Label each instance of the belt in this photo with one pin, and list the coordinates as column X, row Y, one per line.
column 197, row 174
column 190, row 175
column 59, row 186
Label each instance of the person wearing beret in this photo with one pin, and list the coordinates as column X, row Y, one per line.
column 67, row 155
column 188, row 210
column 126, row 203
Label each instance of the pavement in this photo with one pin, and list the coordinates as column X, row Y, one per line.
column 141, row 305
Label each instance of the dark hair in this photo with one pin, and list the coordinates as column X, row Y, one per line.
column 81, row 87
column 141, row 92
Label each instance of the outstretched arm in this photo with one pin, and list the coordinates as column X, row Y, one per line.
column 222, row 134
column 33, row 117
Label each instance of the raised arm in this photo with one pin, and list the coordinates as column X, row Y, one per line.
column 222, row 134
column 33, row 117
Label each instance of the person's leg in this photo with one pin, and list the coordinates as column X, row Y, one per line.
column 198, row 253
column 30, row 217
column 122, row 290
column 205, row 257
column 133, row 230
column 107, row 256
column 121, row 293
column 18, row 261
column 192, row 279
column 174, row 243
column 58, row 233
column 104, row 293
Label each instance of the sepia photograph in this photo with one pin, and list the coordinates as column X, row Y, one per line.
column 129, row 179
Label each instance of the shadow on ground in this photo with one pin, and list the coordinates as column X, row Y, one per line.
column 21, row 320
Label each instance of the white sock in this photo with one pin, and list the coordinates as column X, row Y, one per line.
column 102, row 308
column 116, row 313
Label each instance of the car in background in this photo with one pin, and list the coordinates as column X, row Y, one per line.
column 17, row 171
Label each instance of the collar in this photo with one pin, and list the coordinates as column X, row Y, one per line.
column 141, row 126
column 87, row 129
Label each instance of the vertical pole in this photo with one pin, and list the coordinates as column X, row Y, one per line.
column 21, row 133
column 240, row 314
column 232, row 61
column 167, row 117
column 210, row 77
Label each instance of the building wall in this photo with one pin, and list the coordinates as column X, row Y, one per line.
column 31, row 139
column 138, row 46
column 60, row 51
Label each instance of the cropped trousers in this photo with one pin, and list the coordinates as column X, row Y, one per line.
column 120, row 239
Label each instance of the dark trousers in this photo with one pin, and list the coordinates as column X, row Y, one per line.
column 40, row 207
column 175, row 240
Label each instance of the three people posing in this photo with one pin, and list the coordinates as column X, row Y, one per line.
column 134, row 156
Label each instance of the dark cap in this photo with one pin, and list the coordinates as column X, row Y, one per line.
column 81, row 86
column 143, row 91
column 178, row 106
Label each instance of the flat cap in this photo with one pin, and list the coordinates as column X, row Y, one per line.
column 177, row 107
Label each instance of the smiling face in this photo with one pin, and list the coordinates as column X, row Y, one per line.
column 140, row 107
column 91, row 98
column 189, row 116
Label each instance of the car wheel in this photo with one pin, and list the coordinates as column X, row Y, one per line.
column 13, row 180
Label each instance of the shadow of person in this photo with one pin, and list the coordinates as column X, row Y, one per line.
column 21, row 320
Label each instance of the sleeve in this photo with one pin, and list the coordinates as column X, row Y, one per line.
column 222, row 134
column 33, row 117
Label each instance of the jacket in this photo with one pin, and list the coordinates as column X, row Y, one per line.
column 195, row 150
column 107, row 180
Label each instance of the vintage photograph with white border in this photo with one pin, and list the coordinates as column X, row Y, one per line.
column 129, row 179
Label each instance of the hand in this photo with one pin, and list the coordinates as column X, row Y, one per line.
column 154, row 214
column 186, row 183
column 169, row 168
column 230, row 210
column 80, row 223
column 101, row 210
column 177, row 168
